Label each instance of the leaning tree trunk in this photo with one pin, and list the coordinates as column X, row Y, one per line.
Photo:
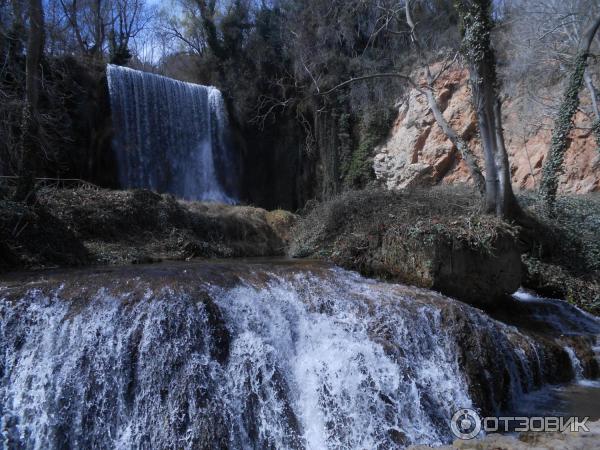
column 563, row 123
column 458, row 142
column 476, row 28
column 463, row 148
column 30, row 127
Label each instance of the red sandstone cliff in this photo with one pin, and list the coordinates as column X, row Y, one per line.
column 418, row 153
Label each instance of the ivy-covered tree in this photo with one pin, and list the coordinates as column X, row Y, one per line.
column 563, row 123
column 476, row 26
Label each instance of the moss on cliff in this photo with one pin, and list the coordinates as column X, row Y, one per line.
column 371, row 130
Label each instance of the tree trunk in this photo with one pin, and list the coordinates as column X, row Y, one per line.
column 459, row 143
column 563, row 123
column 476, row 27
column 16, row 31
column 207, row 13
column 595, row 105
column 30, row 139
column 462, row 147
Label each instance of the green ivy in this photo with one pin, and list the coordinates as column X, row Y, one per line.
column 358, row 170
column 596, row 130
column 475, row 27
column 553, row 166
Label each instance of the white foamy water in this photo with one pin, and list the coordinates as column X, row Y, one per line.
column 254, row 358
column 575, row 363
column 171, row 136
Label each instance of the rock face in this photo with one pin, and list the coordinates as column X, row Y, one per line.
column 449, row 264
column 418, row 153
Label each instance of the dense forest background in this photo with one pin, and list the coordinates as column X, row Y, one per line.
column 301, row 130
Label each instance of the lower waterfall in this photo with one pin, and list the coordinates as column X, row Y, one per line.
column 171, row 136
column 247, row 356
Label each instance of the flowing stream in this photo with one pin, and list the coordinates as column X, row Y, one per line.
column 249, row 355
column 171, row 136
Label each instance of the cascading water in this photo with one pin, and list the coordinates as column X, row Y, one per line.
column 171, row 136
column 244, row 356
column 575, row 363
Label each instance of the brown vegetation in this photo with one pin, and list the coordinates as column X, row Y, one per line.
column 434, row 238
column 438, row 238
column 69, row 227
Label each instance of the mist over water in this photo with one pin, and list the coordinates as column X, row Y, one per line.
column 171, row 136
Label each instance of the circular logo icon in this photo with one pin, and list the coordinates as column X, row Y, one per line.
column 465, row 423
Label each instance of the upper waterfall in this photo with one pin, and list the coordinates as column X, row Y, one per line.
column 171, row 136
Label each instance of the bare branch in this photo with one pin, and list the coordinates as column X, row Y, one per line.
column 373, row 76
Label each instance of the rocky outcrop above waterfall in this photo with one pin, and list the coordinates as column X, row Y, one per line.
column 95, row 226
column 417, row 153
column 434, row 239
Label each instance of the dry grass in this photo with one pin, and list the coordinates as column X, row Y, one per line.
column 91, row 225
column 561, row 254
column 444, row 211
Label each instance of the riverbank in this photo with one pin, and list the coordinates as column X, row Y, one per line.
column 438, row 239
column 433, row 238
column 93, row 226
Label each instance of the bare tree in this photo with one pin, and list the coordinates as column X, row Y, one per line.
column 30, row 142
column 128, row 19
column 97, row 28
column 87, row 21
column 564, row 120
column 460, row 144
column 488, row 188
column 476, row 21
column 542, row 39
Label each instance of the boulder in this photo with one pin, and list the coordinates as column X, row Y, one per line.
column 452, row 265
column 434, row 239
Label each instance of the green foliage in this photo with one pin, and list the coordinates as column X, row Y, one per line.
column 475, row 28
column 570, row 239
column 564, row 259
column 119, row 55
column 554, row 281
column 372, row 129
